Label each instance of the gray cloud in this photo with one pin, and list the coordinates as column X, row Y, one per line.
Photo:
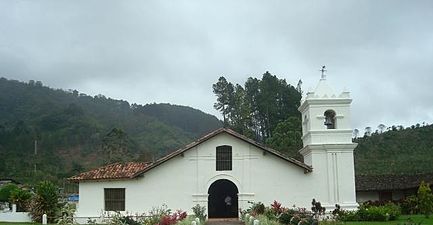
column 172, row 51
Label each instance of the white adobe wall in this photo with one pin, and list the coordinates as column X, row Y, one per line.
column 182, row 182
column 14, row 216
column 334, row 172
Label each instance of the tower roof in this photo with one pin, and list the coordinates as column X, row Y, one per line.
column 323, row 90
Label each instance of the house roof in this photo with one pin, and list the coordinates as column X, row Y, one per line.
column 112, row 171
column 133, row 171
column 8, row 181
column 391, row 182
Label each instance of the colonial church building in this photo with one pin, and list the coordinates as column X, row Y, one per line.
column 224, row 170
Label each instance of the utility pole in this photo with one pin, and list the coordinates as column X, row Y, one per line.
column 36, row 153
column 36, row 147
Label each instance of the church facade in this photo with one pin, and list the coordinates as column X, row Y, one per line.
column 224, row 170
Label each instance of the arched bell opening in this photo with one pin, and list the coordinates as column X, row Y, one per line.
column 330, row 121
column 223, row 199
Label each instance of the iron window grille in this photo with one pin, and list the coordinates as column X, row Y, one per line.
column 114, row 199
column 223, row 158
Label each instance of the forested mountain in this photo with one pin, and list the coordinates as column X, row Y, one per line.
column 396, row 151
column 50, row 134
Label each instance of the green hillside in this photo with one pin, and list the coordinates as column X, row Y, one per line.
column 73, row 131
column 397, row 151
column 53, row 134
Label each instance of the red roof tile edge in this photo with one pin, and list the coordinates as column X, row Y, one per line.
column 112, row 172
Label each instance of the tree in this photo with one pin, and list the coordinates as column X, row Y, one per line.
column 355, row 133
column 381, row 128
column 45, row 201
column 224, row 92
column 299, row 86
column 257, row 108
column 115, row 146
column 252, row 101
column 6, row 192
column 239, row 112
column 21, row 198
column 425, row 199
column 367, row 131
column 287, row 137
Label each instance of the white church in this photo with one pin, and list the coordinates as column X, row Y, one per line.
column 224, row 170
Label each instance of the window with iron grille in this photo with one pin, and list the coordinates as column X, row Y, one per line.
column 114, row 199
column 224, row 158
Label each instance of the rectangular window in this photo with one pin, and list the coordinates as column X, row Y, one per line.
column 114, row 199
column 223, row 158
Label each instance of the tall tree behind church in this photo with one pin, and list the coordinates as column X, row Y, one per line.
column 257, row 108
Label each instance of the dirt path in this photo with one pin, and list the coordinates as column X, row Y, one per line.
column 224, row 222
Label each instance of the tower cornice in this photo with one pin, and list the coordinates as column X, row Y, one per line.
column 324, row 101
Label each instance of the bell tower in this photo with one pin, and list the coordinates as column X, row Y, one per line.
column 328, row 147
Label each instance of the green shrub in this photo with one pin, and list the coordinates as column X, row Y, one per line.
column 21, row 198
column 372, row 213
column 128, row 220
column 45, row 201
column 387, row 212
column 200, row 212
column 257, row 208
column 66, row 215
column 6, row 191
column 286, row 216
column 265, row 221
column 317, row 208
column 308, row 221
column 409, row 205
column 345, row 215
column 118, row 219
column 295, row 219
column 425, row 199
column 270, row 213
column 278, row 215
column 393, row 210
column 188, row 220
column 155, row 215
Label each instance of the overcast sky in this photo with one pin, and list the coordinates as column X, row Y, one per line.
column 173, row 51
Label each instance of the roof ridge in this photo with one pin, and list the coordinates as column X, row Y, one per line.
column 148, row 166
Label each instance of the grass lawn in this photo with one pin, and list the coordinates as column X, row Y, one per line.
column 400, row 221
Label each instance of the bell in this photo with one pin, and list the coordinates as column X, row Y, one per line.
column 328, row 123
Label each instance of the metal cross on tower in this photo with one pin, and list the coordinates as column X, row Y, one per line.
column 323, row 72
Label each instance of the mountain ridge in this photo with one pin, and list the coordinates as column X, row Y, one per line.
column 57, row 120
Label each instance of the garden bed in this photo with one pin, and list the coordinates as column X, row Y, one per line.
column 402, row 220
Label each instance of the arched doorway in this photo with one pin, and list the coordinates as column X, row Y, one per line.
column 223, row 199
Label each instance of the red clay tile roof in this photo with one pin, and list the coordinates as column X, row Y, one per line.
column 123, row 171
column 112, row 171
